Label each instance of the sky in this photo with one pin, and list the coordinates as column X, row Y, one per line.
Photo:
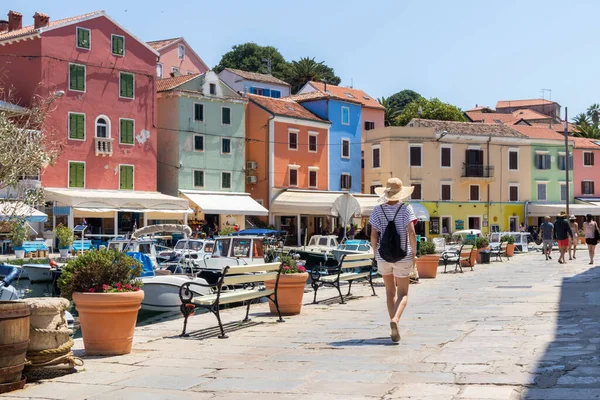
column 463, row 52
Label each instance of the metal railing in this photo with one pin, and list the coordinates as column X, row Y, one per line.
column 477, row 171
column 104, row 146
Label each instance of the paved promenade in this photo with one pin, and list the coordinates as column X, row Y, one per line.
column 526, row 328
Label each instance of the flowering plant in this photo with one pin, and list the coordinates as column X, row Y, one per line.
column 290, row 265
column 102, row 271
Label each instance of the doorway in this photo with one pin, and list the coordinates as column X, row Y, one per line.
column 513, row 224
column 475, row 223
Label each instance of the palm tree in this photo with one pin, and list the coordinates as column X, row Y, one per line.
column 594, row 113
column 581, row 119
column 391, row 111
column 305, row 70
column 590, row 131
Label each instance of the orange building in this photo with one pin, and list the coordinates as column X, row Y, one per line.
column 286, row 147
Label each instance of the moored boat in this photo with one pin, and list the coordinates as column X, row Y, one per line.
column 352, row 247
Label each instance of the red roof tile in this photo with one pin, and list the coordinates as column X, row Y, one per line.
column 348, row 94
column 491, row 118
column 284, row 107
column 162, row 85
column 30, row 30
column 556, row 126
column 528, row 114
column 159, row 44
column 523, row 103
column 585, row 143
column 534, row 132
column 255, row 76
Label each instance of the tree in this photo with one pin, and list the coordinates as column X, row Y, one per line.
column 391, row 112
column 254, row 58
column 430, row 109
column 590, row 131
column 581, row 119
column 593, row 112
column 307, row 69
column 403, row 98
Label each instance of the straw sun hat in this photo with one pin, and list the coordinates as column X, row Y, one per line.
column 394, row 191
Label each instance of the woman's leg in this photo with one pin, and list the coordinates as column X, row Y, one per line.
column 575, row 240
column 390, row 293
column 401, row 298
column 591, row 249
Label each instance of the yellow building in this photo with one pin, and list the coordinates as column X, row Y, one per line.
column 467, row 175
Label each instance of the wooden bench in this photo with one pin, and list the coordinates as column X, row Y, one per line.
column 236, row 285
column 458, row 257
column 32, row 247
column 350, row 268
column 79, row 246
column 499, row 251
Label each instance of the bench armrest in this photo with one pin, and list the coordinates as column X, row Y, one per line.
column 186, row 295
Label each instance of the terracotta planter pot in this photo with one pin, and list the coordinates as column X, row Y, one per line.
column 582, row 239
column 427, row 266
column 510, row 249
column 289, row 293
column 472, row 260
column 108, row 321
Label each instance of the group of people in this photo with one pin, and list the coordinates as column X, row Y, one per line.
column 566, row 232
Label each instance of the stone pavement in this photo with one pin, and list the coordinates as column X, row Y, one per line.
column 526, row 328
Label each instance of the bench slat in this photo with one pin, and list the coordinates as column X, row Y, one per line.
column 232, row 296
column 357, row 263
column 356, row 257
column 249, row 278
column 349, row 276
column 244, row 269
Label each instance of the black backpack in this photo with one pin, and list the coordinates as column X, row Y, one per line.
column 390, row 246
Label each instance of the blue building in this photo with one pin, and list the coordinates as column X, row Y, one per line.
column 345, row 136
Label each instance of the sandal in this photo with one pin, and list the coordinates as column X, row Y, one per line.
column 395, row 331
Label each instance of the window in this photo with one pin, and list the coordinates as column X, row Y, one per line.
column 474, row 192
column 446, row 225
column 225, row 146
column 226, row 116
column 312, row 142
column 198, row 178
column 541, row 191
column 513, row 160
column 446, row 190
column 588, row 159
column 415, row 156
column 312, row 178
column 175, row 70
column 118, row 45
column 76, row 126
column 198, row 142
column 292, row 140
column 126, row 131
column 369, row 125
column 563, row 192
column 212, row 88
column 225, row 180
column 587, row 187
column 102, row 128
column 256, row 90
column 346, row 182
column 77, row 77
column 198, row 112
column 446, row 157
column 417, row 194
column 126, row 177
column 275, row 93
column 241, row 248
column 434, row 225
column 513, row 192
column 126, row 83
column 345, row 116
column 181, row 51
column 376, row 152
column 76, row 174
column 542, row 161
column 83, row 39
column 159, row 70
column 374, row 186
column 293, row 178
column 561, row 162
column 474, row 223
column 345, row 148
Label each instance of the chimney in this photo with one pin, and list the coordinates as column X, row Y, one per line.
column 15, row 20
column 41, row 20
column 3, row 26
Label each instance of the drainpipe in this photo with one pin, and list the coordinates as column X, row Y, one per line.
column 270, row 171
column 526, row 217
column 488, row 186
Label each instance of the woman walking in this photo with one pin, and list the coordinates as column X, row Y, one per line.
column 575, row 229
column 395, row 273
column 590, row 228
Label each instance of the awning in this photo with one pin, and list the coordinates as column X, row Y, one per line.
column 313, row 202
column 421, row 212
column 225, row 203
column 117, row 200
column 15, row 209
column 552, row 210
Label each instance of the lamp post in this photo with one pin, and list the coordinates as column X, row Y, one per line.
column 567, row 160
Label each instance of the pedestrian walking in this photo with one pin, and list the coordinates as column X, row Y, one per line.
column 575, row 231
column 590, row 229
column 562, row 230
column 547, row 233
column 394, row 239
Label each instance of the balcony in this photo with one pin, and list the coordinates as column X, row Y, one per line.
column 477, row 172
column 104, row 146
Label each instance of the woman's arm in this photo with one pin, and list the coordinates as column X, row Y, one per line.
column 412, row 236
column 374, row 239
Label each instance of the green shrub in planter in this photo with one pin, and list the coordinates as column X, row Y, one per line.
column 482, row 242
column 427, row 248
column 64, row 235
column 508, row 239
column 18, row 234
column 226, row 231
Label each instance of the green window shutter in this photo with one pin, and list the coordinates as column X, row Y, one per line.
column 76, row 126
column 118, row 45
column 226, row 146
column 199, row 178
column 226, row 180
column 76, row 174
column 126, row 177
column 126, row 85
column 226, row 116
column 199, row 143
column 126, row 135
column 77, row 77
column 83, row 38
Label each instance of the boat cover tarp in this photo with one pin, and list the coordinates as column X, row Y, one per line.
column 147, row 267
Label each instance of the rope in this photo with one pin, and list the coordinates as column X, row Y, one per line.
column 59, row 355
column 62, row 349
column 59, row 331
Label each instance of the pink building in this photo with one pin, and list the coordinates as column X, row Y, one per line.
column 177, row 58
column 103, row 81
column 585, row 174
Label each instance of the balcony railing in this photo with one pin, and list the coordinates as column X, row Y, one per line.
column 104, row 146
column 477, row 171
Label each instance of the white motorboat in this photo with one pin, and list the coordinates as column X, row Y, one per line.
column 352, row 247
column 319, row 251
column 195, row 249
column 38, row 272
column 161, row 293
column 144, row 245
column 8, row 273
column 230, row 251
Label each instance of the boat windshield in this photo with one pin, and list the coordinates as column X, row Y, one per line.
column 114, row 246
column 208, row 247
column 241, row 247
column 351, row 247
column 323, row 241
column 145, row 248
column 193, row 245
column 313, row 241
column 221, row 248
column 364, row 247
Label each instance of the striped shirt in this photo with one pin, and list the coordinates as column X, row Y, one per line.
column 379, row 222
